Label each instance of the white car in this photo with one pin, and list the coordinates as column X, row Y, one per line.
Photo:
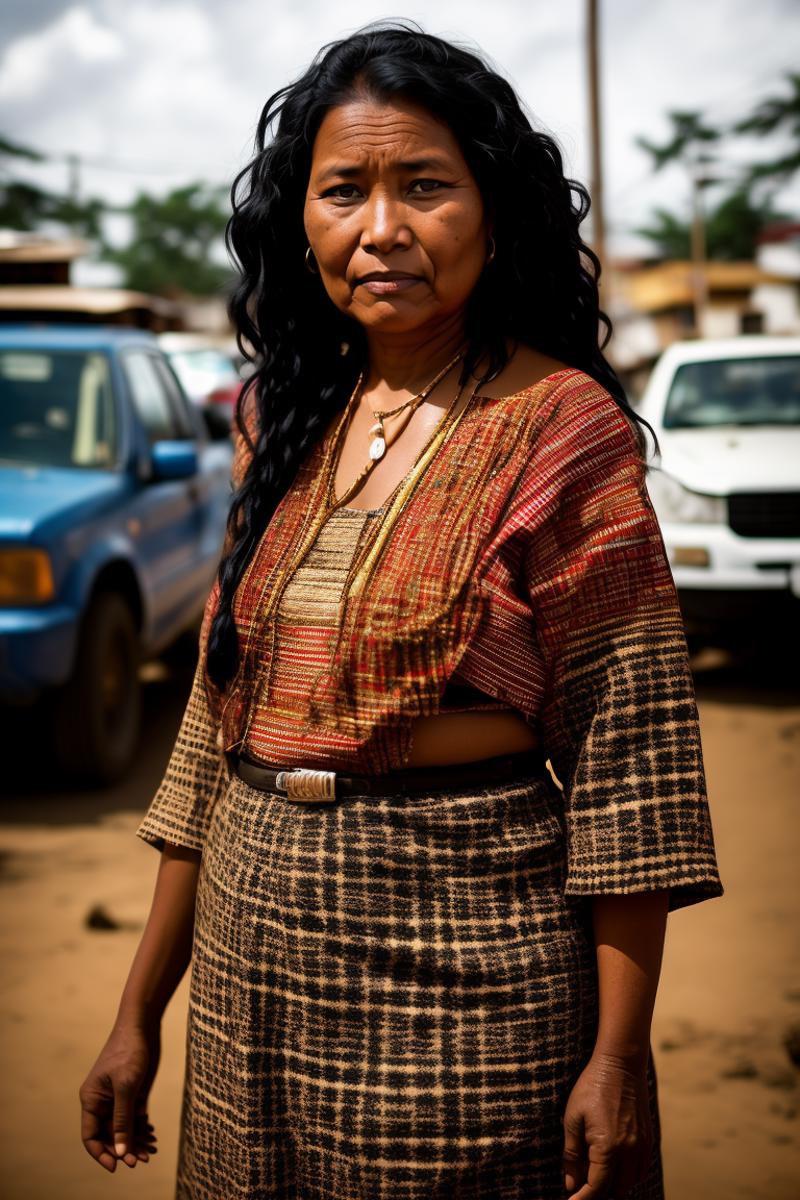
column 726, row 485
column 209, row 370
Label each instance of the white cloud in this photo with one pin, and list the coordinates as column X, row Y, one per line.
column 75, row 39
column 157, row 92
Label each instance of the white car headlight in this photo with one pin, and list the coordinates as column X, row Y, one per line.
column 673, row 502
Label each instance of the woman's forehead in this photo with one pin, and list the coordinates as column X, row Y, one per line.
column 363, row 127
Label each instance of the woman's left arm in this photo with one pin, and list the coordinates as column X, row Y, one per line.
column 608, row 1138
column 620, row 727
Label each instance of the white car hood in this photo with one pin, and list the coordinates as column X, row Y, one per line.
column 721, row 461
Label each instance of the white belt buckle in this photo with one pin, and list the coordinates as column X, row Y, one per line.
column 303, row 783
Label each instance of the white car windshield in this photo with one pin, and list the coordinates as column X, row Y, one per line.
column 735, row 391
column 56, row 409
column 201, row 371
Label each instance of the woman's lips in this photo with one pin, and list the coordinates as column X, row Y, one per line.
column 385, row 287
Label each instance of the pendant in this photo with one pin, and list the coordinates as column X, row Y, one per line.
column 377, row 447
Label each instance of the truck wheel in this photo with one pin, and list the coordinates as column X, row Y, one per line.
column 98, row 712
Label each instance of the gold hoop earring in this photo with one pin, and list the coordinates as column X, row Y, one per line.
column 492, row 252
column 313, row 270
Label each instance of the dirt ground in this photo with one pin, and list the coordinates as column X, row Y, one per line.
column 730, row 985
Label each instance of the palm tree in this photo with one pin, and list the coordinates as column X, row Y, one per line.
column 776, row 114
column 688, row 133
column 689, row 136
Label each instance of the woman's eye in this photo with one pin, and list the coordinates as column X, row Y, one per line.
column 343, row 191
column 427, row 185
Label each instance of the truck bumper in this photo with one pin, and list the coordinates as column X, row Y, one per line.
column 724, row 579
column 37, row 651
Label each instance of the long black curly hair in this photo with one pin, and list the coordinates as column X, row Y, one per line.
column 542, row 289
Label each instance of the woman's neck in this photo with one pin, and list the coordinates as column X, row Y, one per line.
column 407, row 363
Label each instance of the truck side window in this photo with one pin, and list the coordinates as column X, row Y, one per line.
column 184, row 421
column 149, row 396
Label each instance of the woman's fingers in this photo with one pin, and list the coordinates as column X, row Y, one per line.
column 574, row 1162
column 114, row 1100
column 93, row 1134
column 144, row 1133
column 123, row 1120
column 607, row 1135
column 614, row 1175
column 632, row 1166
column 574, row 1166
column 598, row 1181
column 144, row 1138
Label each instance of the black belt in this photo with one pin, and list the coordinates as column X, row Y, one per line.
column 308, row 784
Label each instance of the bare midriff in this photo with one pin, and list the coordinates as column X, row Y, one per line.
column 448, row 738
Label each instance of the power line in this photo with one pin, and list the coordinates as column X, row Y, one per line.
column 120, row 166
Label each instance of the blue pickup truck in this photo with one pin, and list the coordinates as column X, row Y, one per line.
column 113, row 502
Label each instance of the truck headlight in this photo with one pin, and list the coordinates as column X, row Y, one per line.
column 26, row 577
column 674, row 502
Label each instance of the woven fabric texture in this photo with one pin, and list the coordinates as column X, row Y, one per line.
column 527, row 562
column 391, row 999
column 285, row 729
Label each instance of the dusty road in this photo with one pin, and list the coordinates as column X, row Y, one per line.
column 730, row 1096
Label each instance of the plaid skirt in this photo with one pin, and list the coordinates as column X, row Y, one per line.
column 391, row 999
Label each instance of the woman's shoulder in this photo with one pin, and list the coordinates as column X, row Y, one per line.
column 564, row 398
column 527, row 369
column 576, row 430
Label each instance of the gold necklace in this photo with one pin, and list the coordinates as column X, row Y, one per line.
column 379, row 444
column 268, row 602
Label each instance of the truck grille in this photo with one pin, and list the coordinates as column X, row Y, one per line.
column 765, row 514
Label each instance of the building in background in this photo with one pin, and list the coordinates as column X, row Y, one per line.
column 35, row 286
column 778, row 254
column 651, row 304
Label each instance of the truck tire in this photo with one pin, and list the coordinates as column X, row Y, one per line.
column 97, row 713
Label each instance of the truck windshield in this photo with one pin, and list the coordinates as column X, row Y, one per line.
column 735, row 391
column 56, row 408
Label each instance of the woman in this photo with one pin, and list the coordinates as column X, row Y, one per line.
column 419, row 967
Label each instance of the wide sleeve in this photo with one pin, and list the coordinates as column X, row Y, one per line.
column 197, row 772
column 619, row 720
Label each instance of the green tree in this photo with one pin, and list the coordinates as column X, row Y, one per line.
column 15, row 150
column 732, row 228
column 169, row 250
column 776, row 115
column 26, row 206
column 668, row 233
column 687, row 143
column 688, row 135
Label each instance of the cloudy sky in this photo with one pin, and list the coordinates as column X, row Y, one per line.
column 154, row 93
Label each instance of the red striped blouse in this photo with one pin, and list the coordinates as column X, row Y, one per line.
column 523, row 557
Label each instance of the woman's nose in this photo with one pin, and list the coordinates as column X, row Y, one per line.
column 385, row 224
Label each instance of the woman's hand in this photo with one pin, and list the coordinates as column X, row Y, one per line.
column 608, row 1136
column 114, row 1095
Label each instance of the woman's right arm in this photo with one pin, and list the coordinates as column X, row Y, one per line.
column 114, row 1094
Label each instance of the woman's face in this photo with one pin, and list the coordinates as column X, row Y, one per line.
column 394, row 216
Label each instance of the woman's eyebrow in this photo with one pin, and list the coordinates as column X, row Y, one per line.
column 349, row 170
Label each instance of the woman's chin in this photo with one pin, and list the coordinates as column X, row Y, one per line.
column 394, row 315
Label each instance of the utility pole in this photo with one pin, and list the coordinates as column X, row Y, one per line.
column 74, row 177
column 595, row 130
